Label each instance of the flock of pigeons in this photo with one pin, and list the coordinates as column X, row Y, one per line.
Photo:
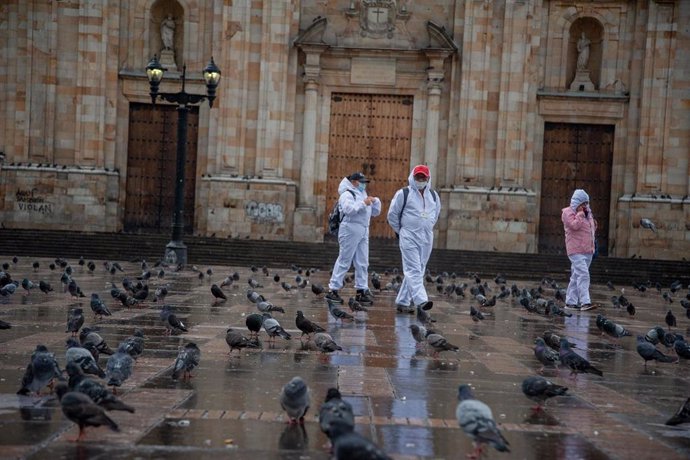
column 85, row 400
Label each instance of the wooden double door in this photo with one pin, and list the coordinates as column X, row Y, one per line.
column 370, row 133
column 152, row 171
column 575, row 156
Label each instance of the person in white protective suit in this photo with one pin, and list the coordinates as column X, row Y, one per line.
column 413, row 219
column 357, row 209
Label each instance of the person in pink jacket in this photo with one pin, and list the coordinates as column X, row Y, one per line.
column 579, row 226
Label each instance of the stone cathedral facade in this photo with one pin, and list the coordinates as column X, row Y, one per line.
column 512, row 103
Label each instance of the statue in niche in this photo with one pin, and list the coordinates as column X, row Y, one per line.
column 168, row 32
column 583, row 45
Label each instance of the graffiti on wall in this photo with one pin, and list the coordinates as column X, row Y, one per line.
column 31, row 202
column 265, row 212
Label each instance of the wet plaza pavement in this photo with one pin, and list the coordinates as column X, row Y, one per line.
column 404, row 398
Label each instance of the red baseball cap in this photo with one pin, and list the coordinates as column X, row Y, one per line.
column 421, row 169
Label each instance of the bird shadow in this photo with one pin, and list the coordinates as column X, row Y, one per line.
column 293, row 437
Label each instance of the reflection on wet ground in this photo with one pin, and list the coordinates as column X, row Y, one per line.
column 404, row 399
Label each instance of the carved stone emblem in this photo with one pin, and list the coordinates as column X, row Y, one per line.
column 377, row 18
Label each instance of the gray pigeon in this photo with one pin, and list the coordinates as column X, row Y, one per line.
column 265, row 306
column 325, row 343
column 418, row 333
column 94, row 390
column 273, row 328
column 236, row 341
column 90, row 338
column 350, row 445
column 98, row 307
column 119, row 367
column 682, row 348
column 539, row 389
column 187, row 359
column 80, row 409
column 545, row 355
column 439, row 343
column 335, row 408
column 575, row 362
column 476, row 314
column 295, row 399
column 424, row 317
column 682, row 415
column 171, row 322
column 650, row 353
column 646, row 223
column 477, row 421
column 84, row 358
column 75, row 320
column 134, row 344
column 338, row 313
column 40, row 371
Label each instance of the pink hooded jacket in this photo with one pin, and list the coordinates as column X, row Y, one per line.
column 579, row 229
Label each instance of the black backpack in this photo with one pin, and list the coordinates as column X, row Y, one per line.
column 335, row 217
column 406, row 192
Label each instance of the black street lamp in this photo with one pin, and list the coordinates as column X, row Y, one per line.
column 176, row 251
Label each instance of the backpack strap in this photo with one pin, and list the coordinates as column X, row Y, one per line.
column 342, row 216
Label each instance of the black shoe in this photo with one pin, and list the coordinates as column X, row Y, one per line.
column 364, row 297
column 405, row 309
column 426, row 305
column 334, row 297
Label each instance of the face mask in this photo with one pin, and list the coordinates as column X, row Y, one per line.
column 420, row 184
column 362, row 187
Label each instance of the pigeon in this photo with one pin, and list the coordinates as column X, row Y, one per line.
column 317, row 289
column 338, row 313
column 254, row 283
column 682, row 348
column 424, row 317
column 670, row 320
column 236, row 341
column 681, row 416
column 273, row 328
column 655, row 335
column 94, row 390
column 646, row 223
column 554, row 341
column 134, row 344
column 82, row 356
column 98, row 307
column 648, row 352
column 171, row 321
column 74, row 289
column 477, row 421
column 119, row 367
column 44, row 287
column 476, row 315
column 348, row 444
column 35, row 265
column 614, row 330
column 539, row 389
column 295, row 398
column 325, row 343
column 8, row 289
column 28, row 285
column 439, row 343
column 265, row 306
column 254, row 297
column 307, row 326
column 335, row 408
column 160, row 293
column 187, row 359
column 355, row 306
column 89, row 338
column 218, row 293
column 418, row 334
column 75, row 320
column 575, row 362
column 254, row 323
column 80, row 409
column 40, row 371
column 545, row 355
column 5, row 325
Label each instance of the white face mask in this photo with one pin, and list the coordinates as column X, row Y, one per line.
column 421, row 184
column 362, row 187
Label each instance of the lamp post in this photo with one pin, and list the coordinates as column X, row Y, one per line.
column 175, row 250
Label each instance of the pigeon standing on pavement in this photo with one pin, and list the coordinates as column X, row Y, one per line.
column 307, row 326
column 44, row 286
column 648, row 352
column 477, row 421
column 418, row 334
column 325, row 343
column 89, row 338
column 348, row 444
column 80, row 355
column 80, row 409
column 682, row 348
column 218, row 293
column 265, row 306
column 236, row 341
column 539, row 389
column 439, row 343
column 119, row 367
column 40, row 371
column 94, row 390
column 476, row 315
column 98, row 307
column 171, row 321
column 254, row 323
column 545, row 355
column 187, row 359
column 273, row 328
column 338, row 313
column 75, row 320
column 671, row 320
column 575, row 362
column 134, row 344
column 335, row 408
column 295, row 399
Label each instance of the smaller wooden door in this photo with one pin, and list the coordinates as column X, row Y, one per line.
column 370, row 133
column 575, row 156
column 151, row 168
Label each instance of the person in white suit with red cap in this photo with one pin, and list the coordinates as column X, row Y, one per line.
column 413, row 215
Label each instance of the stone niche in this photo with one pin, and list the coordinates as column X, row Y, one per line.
column 235, row 207
column 481, row 219
column 56, row 198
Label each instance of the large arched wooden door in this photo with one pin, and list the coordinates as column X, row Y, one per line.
column 575, row 156
column 151, row 168
column 370, row 133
